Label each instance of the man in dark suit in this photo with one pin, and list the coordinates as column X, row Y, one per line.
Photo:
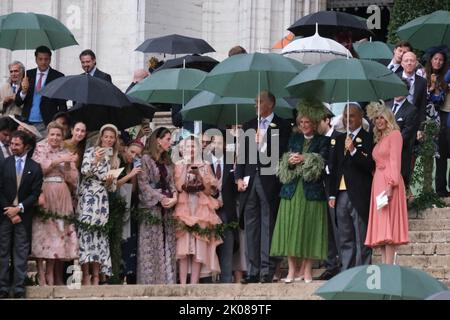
column 406, row 116
column 332, row 264
column 401, row 47
column 39, row 110
column 5, row 138
column 350, row 188
column 20, row 186
column 223, row 168
column 257, row 159
column 89, row 65
column 417, row 88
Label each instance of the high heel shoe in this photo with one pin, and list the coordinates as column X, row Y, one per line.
column 299, row 278
column 288, row 280
column 308, row 280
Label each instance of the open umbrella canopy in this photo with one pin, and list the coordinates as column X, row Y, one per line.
column 21, row 31
column 373, row 50
column 380, row 282
column 352, row 79
column 222, row 111
column 169, row 86
column 315, row 49
column 86, row 89
column 427, row 31
column 330, row 24
column 245, row 75
column 95, row 116
column 194, row 61
column 175, row 44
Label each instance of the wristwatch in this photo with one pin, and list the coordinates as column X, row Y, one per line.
column 22, row 209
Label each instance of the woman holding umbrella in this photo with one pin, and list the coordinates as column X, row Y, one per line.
column 388, row 218
column 93, row 204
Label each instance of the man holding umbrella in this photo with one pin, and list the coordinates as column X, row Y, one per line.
column 260, row 196
column 37, row 109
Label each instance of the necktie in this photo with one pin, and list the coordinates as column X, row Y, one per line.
column 39, row 84
column 351, row 135
column 218, row 171
column 19, row 167
column 395, row 108
column 263, row 124
column 392, row 67
column 14, row 88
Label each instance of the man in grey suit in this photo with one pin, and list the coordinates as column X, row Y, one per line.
column 89, row 65
column 20, row 186
column 259, row 199
column 417, row 88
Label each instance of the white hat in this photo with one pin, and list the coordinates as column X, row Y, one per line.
column 29, row 127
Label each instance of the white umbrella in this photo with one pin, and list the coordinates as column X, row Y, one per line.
column 315, row 49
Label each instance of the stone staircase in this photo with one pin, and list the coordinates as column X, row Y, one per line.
column 429, row 247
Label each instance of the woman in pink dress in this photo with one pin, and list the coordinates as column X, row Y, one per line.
column 55, row 240
column 388, row 224
column 195, row 206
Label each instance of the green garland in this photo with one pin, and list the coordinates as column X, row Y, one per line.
column 309, row 170
column 423, row 171
column 146, row 216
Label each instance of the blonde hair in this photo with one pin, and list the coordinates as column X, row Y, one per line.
column 378, row 109
column 115, row 162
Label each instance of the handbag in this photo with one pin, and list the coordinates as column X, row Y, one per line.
column 193, row 183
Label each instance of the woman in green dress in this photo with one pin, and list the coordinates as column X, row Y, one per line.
column 301, row 227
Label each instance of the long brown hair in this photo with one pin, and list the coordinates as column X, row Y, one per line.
column 115, row 162
column 153, row 149
column 439, row 73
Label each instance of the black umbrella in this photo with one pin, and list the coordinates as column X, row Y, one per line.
column 203, row 63
column 95, row 116
column 86, row 89
column 330, row 24
column 175, row 44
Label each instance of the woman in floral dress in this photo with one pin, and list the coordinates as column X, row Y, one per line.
column 93, row 205
column 55, row 240
column 157, row 196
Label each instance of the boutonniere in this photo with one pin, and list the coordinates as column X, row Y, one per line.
column 333, row 142
column 273, row 125
column 358, row 140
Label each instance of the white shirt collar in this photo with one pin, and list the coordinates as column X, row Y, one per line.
column 404, row 76
column 329, row 132
column 400, row 103
column 215, row 159
column 24, row 158
column 392, row 63
column 269, row 118
column 93, row 71
column 356, row 132
column 45, row 73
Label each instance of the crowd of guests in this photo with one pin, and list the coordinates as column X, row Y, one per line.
column 333, row 196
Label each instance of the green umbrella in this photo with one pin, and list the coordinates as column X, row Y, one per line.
column 21, row 31
column 380, row 282
column 373, row 50
column 221, row 111
column 169, row 86
column 246, row 75
column 344, row 80
column 427, row 31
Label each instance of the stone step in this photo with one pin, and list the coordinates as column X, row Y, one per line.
column 429, row 224
column 432, row 213
column 442, row 236
column 422, row 249
column 420, row 261
column 275, row 291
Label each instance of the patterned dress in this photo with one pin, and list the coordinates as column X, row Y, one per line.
column 156, row 243
column 93, row 209
column 55, row 238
